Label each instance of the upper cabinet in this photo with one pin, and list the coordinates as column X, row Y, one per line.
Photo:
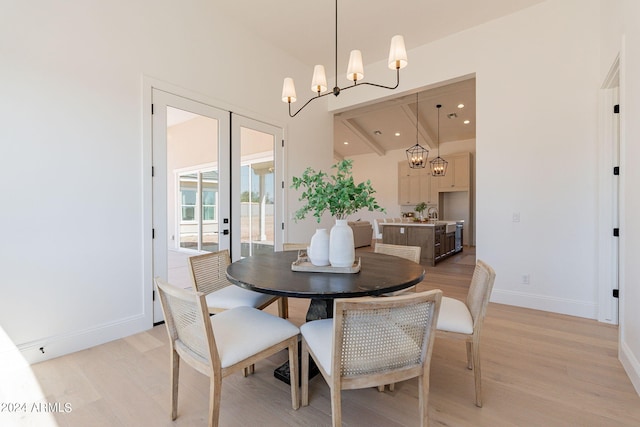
column 416, row 185
column 458, row 173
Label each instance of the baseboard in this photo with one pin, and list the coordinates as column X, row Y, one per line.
column 50, row 347
column 631, row 365
column 539, row 302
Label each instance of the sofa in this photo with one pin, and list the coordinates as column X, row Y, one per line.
column 362, row 233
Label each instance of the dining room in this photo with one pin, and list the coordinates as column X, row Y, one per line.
column 78, row 311
column 539, row 368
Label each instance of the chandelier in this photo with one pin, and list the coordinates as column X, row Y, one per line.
column 439, row 165
column 417, row 155
column 355, row 72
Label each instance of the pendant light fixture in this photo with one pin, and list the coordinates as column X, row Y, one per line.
column 417, row 155
column 355, row 72
column 439, row 165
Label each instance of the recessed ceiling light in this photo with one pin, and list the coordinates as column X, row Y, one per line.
column 466, row 122
column 397, row 133
column 377, row 132
column 346, row 143
column 460, row 105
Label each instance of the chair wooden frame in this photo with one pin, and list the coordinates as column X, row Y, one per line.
column 413, row 365
column 294, row 246
column 208, row 274
column 209, row 364
column 476, row 302
column 412, row 253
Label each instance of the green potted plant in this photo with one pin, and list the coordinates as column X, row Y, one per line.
column 420, row 207
column 341, row 196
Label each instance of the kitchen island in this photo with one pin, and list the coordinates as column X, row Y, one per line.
column 438, row 239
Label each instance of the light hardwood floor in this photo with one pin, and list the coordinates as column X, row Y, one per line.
column 539, row 369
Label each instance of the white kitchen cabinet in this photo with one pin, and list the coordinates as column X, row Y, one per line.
column 458, row 177
column 408, row 184
column 415, row 185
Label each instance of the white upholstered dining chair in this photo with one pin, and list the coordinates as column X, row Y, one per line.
column 223, row 344
column 209, row 276
column 464, row 319
column 377, row 229
column 412, row 253
column 372, row 341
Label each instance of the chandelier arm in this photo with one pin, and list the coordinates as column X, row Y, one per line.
column 382, row 86
column 307, row 103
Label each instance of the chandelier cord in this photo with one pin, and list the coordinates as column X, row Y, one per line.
column 417, row 118
column 335, row 76
column 439, row 130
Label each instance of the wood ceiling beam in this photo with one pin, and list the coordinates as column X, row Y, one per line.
column 360, row 133
column 427, row 134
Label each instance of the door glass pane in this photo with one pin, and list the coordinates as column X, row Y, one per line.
column 192, row 180
column 257, row 187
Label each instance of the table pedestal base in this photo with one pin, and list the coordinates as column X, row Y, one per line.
column 282, row 372
column 318, row 309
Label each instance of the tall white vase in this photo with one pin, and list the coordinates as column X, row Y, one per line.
column 341, row 249
column 318, row 250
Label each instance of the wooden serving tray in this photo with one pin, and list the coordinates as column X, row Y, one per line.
column 303, row 264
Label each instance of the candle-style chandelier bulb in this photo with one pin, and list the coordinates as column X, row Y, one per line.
column 319, row 80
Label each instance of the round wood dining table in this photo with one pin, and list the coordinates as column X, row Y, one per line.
column 272, row 274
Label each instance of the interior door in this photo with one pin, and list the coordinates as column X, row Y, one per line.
column 191, row 191
column 257, row 187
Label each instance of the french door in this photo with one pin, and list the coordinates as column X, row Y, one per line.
column 191, row 185
column 257, row 187
column 217, row 184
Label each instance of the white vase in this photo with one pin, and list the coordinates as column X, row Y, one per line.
column 341, row 249
column 318, row 250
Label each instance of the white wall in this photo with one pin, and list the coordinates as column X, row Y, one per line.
column 539, row 74
column 72, row 260
column 630, row 338
column 535, row 147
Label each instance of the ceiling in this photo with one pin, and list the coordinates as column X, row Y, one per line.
column 306, row 31
column 391, row 125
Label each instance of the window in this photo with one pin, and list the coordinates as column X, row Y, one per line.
column 198, row 215
column 209, row 205
column 188, row 196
